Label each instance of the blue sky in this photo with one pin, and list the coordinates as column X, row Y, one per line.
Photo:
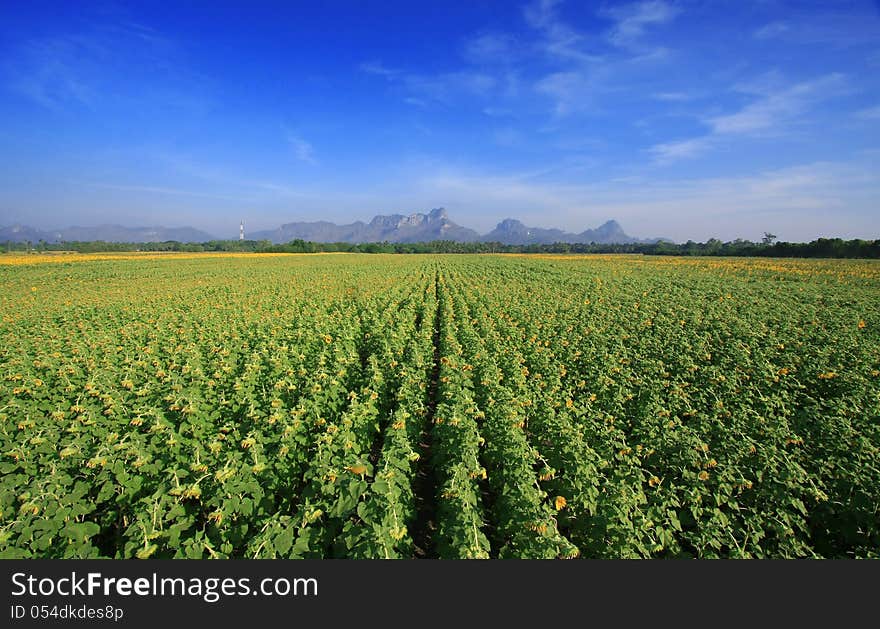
column 680, row 119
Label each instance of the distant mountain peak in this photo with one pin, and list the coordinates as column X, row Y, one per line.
column 513, row 232
column 415, row 227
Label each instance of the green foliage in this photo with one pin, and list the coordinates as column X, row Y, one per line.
column 820, row 248
column 495, row 406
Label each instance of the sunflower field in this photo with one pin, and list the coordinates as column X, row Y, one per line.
column 392, row 406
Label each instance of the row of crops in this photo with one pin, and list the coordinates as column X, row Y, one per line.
column 438, row 406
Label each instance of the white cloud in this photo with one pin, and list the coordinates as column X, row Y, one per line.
column 777, row 107
column 570, row 91
column 871, row 113
column 498, row 112
column 302, row 150
column 573, row 67
column 856, row 25
column 772, row 30
column 673, row 97
column 586, row 66
column 508, row 137
column 161, row 190
column 631, row 20
column 774, row 110
column 437, row 88
column 558, row 39
column 541, row 13
column 55, row 72
column 375, row 67
column 445, row 88
column 491, row 49
column 669, row 152
column 92, row 67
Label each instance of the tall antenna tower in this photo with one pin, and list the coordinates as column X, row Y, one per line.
column 241, row 231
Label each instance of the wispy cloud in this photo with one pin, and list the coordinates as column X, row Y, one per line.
column 871, row 113
column 772, row 30
column 161, row 190
column 224, row 176
column 377, row 68
column 114, row 63
column 589, row 66
column 54, row 72
column 498, row 112
column 570, row 91
column 492, row 48
column 450, row 86
column 854, row 26
column 674, row 97
column 508, row 137
column 445, row 87
column 281, row 189
column 552, row 59
column 631, row 20
column 302, row 150
column 558, row 39
column 668, row 152
column 778, row 106
column 774, row 109
column 542, row 14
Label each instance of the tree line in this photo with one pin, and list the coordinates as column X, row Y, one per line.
column 819, row 248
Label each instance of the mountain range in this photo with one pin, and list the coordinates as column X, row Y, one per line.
column 107, row 233
column 435, row 225
column 512, row 232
